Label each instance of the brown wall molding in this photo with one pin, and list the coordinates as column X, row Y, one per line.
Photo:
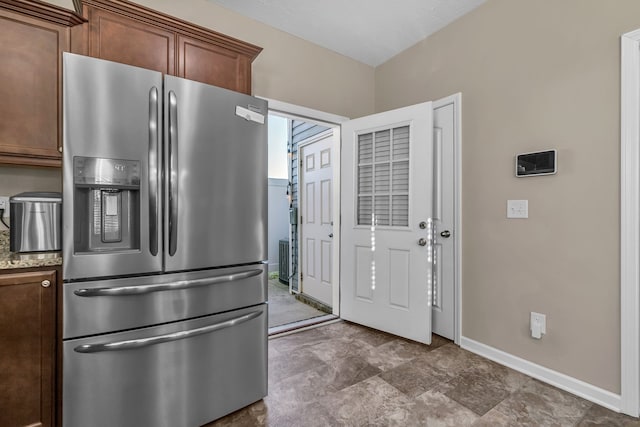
column 159, row 19
column 44, row 11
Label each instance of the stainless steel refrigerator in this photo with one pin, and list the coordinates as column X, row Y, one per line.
column 164, row 241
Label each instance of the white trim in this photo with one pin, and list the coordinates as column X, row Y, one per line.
column 303, row 113
column 303, row 325
column 629, row 223
column 572, row 385
column 292, row 111
column 456, row 100
column 315, row 138
column 335, row 262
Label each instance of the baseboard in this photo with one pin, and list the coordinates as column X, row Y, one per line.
column 572, row 385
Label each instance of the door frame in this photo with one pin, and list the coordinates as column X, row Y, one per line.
column 456, row 101
column 332, row 121
column 630, row 223
column 335, row 254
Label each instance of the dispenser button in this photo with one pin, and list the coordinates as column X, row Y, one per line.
column 111, row 205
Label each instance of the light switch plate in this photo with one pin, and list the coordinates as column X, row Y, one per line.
column 517, row 209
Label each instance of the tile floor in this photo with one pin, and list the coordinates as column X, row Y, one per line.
column 343, row 374
column 285, row 308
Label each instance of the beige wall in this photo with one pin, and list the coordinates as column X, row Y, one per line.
column 534, row 75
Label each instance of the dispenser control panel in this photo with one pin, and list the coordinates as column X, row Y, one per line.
column 92, row 171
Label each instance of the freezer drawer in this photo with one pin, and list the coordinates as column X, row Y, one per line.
column 104, row 306
column 183, row 374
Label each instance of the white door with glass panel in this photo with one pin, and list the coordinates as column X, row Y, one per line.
column 316, row 235
column 386, row 202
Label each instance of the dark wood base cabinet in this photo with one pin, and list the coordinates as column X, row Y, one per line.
column 27, row 348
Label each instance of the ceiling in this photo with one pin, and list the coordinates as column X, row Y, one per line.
column 369, row 31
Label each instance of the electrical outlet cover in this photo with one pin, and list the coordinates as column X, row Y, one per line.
column 538, row 325
column 4, row 204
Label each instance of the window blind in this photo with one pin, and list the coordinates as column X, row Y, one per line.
column 383, row 177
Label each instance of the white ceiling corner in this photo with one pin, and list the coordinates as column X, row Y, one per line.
column 369, row 31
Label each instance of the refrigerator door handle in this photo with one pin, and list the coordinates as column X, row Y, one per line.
column 179, row 285
column 173, row 173
column 158, row 339
column 153, row 170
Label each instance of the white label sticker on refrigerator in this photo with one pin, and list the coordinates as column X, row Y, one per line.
column 249, row 115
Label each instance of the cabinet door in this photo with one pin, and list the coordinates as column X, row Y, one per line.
column 120, row 39
column 211, row 64
column 30, row 89
column 27, row 340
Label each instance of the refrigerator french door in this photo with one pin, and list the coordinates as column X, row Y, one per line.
column 215, row 176
column 164, row 220
column 112, row 122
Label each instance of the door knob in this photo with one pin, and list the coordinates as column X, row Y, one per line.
column 331, row 235
column 422, row 242
column 445, row 233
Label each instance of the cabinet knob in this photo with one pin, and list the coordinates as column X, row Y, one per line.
column 60, row 149
column 46, row 283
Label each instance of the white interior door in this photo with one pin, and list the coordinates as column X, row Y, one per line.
column 386, row 200
column 316, row 234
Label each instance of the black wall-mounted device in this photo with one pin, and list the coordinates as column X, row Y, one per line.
column 538, row 163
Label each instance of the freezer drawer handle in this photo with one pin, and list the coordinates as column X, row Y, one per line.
column 173, row 286
column 159, row 339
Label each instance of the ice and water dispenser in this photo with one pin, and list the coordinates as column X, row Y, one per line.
column 106, row 204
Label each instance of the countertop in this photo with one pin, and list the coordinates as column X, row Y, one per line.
column 35, row 259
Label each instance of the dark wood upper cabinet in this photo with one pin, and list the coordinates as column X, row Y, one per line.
column 208, row 63
column 121, row 31
column 33, row 36
column 118, row 38
column 28, row 343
